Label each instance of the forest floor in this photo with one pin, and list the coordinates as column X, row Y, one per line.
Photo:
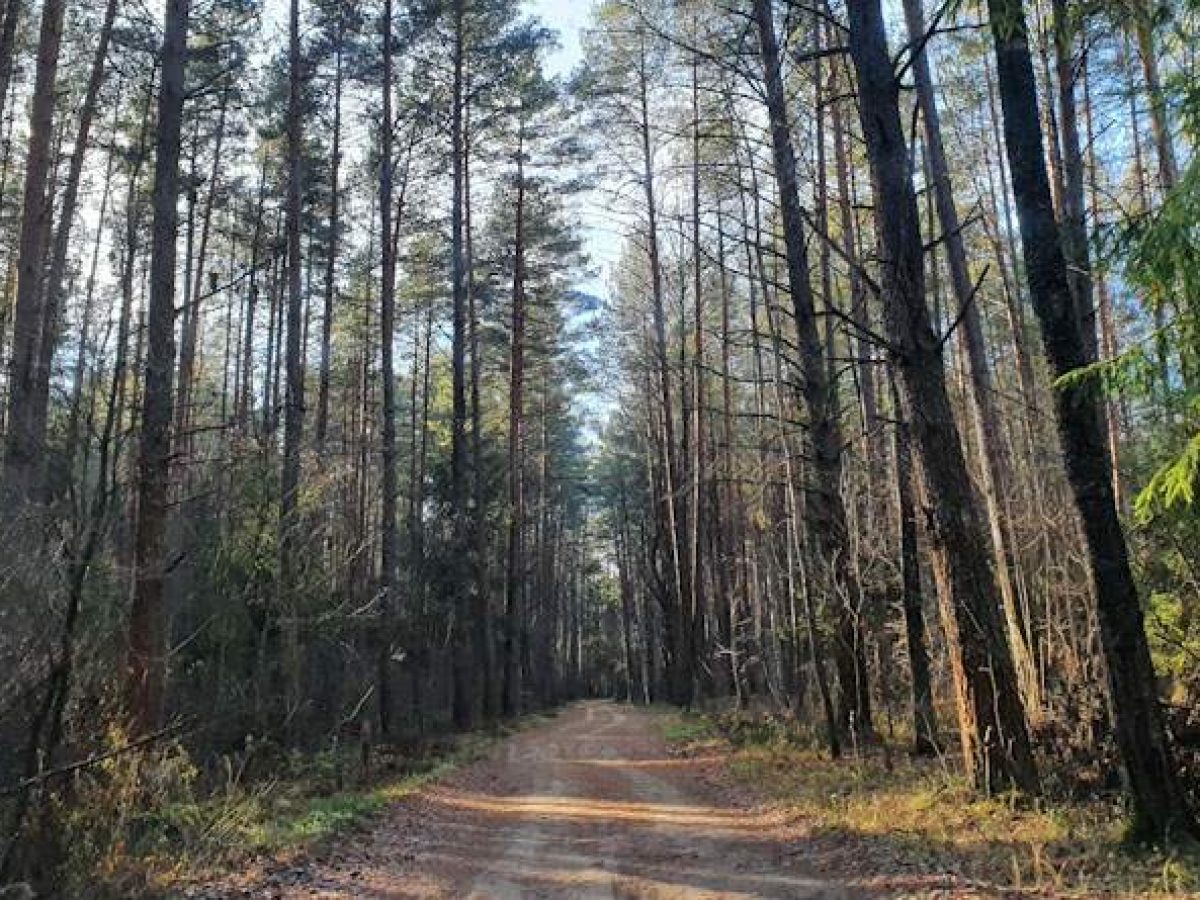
column 605, row 800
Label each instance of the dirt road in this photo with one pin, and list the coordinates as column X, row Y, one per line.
column 588, row 805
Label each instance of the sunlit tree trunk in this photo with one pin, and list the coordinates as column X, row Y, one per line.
column 995, row 734
column 995, row 465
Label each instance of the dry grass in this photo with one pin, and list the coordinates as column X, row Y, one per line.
column 142, row 843
column 887, row 820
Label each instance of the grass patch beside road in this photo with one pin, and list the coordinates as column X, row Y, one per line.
column 134, row 840
column 886, row 819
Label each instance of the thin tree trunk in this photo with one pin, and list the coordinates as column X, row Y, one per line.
column 1160, row 125
column 457, row 584
column 387, row 336
column 680, row 669
column 194, row 291
column 483, row 643
column 246, row 400
column 517, row 565
column 825, row 506
column 293, row 423
column 335, row 162
column 698, row 461
column 80, row 377
column 51, row 320
column 1108, row 333
column 13, row 10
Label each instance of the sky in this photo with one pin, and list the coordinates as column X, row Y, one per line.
column 567, row 17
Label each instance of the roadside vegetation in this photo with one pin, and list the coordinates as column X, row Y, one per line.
column 152, row 824
column 887, row 818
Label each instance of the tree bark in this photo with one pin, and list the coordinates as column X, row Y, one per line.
column 1157, row 798
column 23, row 455
column 996, row 737
column 825, row 506
column 1074, row 209
column 925, row 730
column 387, row 336
column 146, row 674
column 517, row 565
column 995, row 465
column 335, row 162
column 458, row 596
column 293, row 421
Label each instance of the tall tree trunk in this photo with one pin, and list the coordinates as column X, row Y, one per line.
column 23, row 447
column 459, row 595
column 484, row 662
column 387, row 336
column 1158, row 801
column 517, row 565
column 51, row 324
column 698, row 461
column 335, row 162
column 245, row 402
column 1006, row 256
column 825, row 506
column 126, row 274
column 995, row 465
column 146, row 675
column 1074, row 201
column 80, row 377
column 996, row 737
column 195, row 291
column 1160, row 125
column 729, row 563
column 680, row 661
column 925, row 731
column 1108, row 331
column 293, row 421
column 187, row 319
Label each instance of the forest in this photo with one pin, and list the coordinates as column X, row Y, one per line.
column 378, row 373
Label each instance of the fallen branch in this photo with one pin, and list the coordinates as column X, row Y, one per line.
column 26, row 783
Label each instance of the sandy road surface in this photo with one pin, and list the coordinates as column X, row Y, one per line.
column 589, row 805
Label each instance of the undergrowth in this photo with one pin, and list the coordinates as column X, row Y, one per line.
column 881, row 815
column 149, row 825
